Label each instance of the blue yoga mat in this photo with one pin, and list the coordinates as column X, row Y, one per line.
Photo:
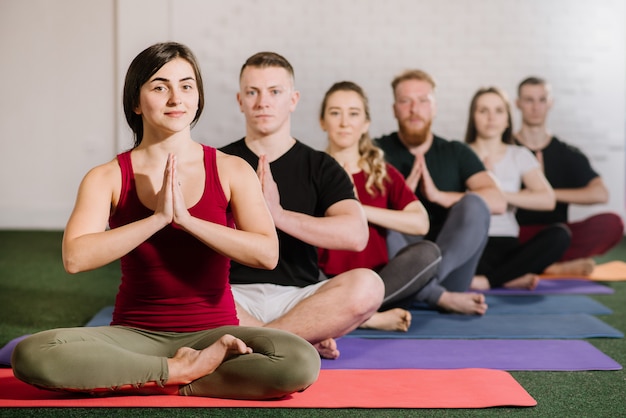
column 541, row 326
column 537, row 304
column 509, row 355
column 102, row 318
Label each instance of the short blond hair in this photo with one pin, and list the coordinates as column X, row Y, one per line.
column 412, row 75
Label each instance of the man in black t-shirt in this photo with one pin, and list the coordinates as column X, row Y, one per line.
column 574, row 182
column 312, row 202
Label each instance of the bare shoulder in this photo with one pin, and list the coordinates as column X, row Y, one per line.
column 106, row 172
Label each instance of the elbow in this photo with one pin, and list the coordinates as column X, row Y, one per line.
column 498, row 207
column 358, row 241
column 423, row 226
column 71, row 260
column 270, row 257
column 71, row 266
column 271, row 260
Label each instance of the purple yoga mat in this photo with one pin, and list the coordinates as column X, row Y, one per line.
column 509, row 355
column 5, row 352
column 558, row 286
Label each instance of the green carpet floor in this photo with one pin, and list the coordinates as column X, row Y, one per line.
column 37, row 294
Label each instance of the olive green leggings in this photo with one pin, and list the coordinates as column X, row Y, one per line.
column 92, row 359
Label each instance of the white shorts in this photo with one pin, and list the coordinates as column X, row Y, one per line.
column 267, row 302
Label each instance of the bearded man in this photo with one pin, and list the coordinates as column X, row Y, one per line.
column 454, row 186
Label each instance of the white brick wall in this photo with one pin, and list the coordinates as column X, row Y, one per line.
column 63, row 65
column 577, row 45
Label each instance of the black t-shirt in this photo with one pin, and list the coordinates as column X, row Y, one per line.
column 450, row 164
column 565, row 167
column 309, row 182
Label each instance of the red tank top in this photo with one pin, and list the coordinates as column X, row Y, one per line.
column 172, row 281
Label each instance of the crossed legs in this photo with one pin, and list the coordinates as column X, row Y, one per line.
column 337, row 307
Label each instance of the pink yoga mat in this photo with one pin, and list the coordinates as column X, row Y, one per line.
column 465, row 388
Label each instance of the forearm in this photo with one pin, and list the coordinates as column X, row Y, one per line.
column 92, row 250
column 254, row 249
column 581, row 196
column 531, row 200
column 494, row 199
column 407, row 222
column 338, row 232
column 446, row 199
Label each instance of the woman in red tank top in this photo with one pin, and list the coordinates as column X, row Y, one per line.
column 167, row 208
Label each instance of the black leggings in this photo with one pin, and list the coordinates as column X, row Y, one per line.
column 505, row 258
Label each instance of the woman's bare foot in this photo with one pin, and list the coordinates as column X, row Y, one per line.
column 327, row 349
column 188, row 364
column 396, row 319
column 480, row 283
column 578, row 267
column 463, row 303
column 527, row 281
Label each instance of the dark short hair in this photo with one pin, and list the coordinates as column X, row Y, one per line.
column 531, row 81
column 471, row 132
column 267, row 59
column 144, row 66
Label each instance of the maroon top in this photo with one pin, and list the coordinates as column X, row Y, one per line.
column 172, row 281
column 397, row 195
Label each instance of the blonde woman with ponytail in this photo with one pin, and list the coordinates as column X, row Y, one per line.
column 388, row 204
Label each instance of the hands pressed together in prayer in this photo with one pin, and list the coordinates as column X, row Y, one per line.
column 420, row 175
column 170, row 200
column 269, row 187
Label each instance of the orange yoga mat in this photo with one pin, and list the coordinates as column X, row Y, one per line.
column 612, row 271
column 404, row 388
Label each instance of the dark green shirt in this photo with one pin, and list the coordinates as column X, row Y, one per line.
column 450, row 164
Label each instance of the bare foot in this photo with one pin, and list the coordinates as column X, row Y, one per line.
column 464, row 303
column 188, row 364
column 396, row 319
column 480, row 283
column 327, row 349
column 578, row 267
column 527, row 281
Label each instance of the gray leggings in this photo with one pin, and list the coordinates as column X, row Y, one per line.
column 91, row 359
column 461, row 241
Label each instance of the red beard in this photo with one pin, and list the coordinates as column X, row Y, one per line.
column 415, row 137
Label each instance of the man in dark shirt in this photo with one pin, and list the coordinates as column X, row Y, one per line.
column 453, row 185
column 312, row 202
column 574, row 182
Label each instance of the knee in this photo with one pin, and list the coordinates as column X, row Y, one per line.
column 26, row 361
column 614, row 223
column 473, row 209
column 368, row 289
column 563, row 234
column 302, row 368
column 298, row 368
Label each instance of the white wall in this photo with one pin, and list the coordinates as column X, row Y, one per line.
column 65, row 65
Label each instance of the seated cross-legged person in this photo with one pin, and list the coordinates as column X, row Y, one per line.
column 451, row 182
column 574, row 182
column 312, row 202
column 170, row 203
column 506, row 262
column 388, row 204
